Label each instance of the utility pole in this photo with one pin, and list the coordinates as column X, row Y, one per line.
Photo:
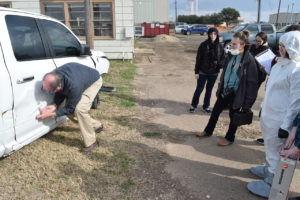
column 287, row 14
column 88, row 23
column 292, row 13
column 258, row 12
column 176, row 11
column 278, row 14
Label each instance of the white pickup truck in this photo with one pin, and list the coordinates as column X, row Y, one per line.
column 30, row 46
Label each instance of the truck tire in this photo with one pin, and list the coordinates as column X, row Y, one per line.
column 204, row 33
column 96, row 102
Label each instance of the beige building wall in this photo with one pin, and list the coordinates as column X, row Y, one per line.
column 150, row 11
column 285, row 18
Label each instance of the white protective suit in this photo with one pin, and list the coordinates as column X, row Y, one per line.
column 282, row 98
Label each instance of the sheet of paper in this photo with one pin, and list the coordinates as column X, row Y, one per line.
column 265, row 59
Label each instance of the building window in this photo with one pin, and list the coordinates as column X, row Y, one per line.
column 56, row 11
column 5, row 4
column 73, row 15
column 77, row 18
column 103, row 19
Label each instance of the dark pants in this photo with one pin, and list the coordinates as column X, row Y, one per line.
column 210, row 81
column 219, row 106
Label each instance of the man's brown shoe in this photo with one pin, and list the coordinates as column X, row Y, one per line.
column 201, row 134
column 224, row 143
column 90, row 148
column 98, row 130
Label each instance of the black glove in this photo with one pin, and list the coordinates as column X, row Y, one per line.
column 283, row 133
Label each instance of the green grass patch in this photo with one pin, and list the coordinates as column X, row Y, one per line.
column 127, row 185
column 120, row 76
column 127, row 103
column 151, row 134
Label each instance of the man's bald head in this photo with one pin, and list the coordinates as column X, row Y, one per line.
column 51, row 81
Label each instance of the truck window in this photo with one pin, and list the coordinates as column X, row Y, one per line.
column 252, row 28
column 62, row 41
column 25, row 38
column 267, row 29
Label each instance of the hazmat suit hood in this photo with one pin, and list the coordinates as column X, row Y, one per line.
column 291, row 41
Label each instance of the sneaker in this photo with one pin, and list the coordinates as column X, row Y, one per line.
column 90, row 148
column 260, row 141
column 206, row 110
column 99, row 129
column 224, row 143
column 192, row 109
column 202, row 134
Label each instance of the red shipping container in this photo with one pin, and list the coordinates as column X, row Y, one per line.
column 152, row 30
column 167, row 28
column 156, row 29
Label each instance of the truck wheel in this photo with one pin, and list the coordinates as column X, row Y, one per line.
column 96, row 102
column 204, row 33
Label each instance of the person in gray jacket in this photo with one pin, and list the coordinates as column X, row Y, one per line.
column 237, row 88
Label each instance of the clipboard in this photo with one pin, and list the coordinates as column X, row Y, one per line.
column 265, row 59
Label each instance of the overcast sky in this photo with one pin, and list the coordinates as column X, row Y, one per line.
column 247, row 8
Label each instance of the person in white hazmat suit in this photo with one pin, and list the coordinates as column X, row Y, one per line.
column 279, row 108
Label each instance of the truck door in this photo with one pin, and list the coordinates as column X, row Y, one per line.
column 271, row 33
column 27, row 61
column 64, row 45
column 7, row 132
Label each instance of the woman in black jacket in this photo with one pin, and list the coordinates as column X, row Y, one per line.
column 207, row 68
column 237, row 87
column 260, row 45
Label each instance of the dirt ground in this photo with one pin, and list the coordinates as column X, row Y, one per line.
column 164, row 87
column 148, row 149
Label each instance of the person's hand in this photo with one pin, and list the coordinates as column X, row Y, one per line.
column 44, row 114
column 291, row 139
column 291, row 152
column 261, row 68
column 196, row 76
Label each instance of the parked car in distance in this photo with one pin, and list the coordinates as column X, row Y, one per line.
column 196, row 29
column 172, row 29
column 269, row 29
column 31, row 46
column 180, row 28
column 181, row 23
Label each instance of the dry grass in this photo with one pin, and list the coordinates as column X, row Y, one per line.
column 53, row 166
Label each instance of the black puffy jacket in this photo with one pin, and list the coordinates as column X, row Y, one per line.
column 208, row 58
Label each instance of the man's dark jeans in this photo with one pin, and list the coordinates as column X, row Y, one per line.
column 219, row 106
column 210, row 81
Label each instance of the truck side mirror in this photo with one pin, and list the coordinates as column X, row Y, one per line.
column 85, row 50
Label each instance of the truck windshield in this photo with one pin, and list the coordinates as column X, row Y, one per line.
column 238, row 28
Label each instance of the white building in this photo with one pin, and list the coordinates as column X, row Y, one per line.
column 151, row 11
column 285, row 18
column 113, row 21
